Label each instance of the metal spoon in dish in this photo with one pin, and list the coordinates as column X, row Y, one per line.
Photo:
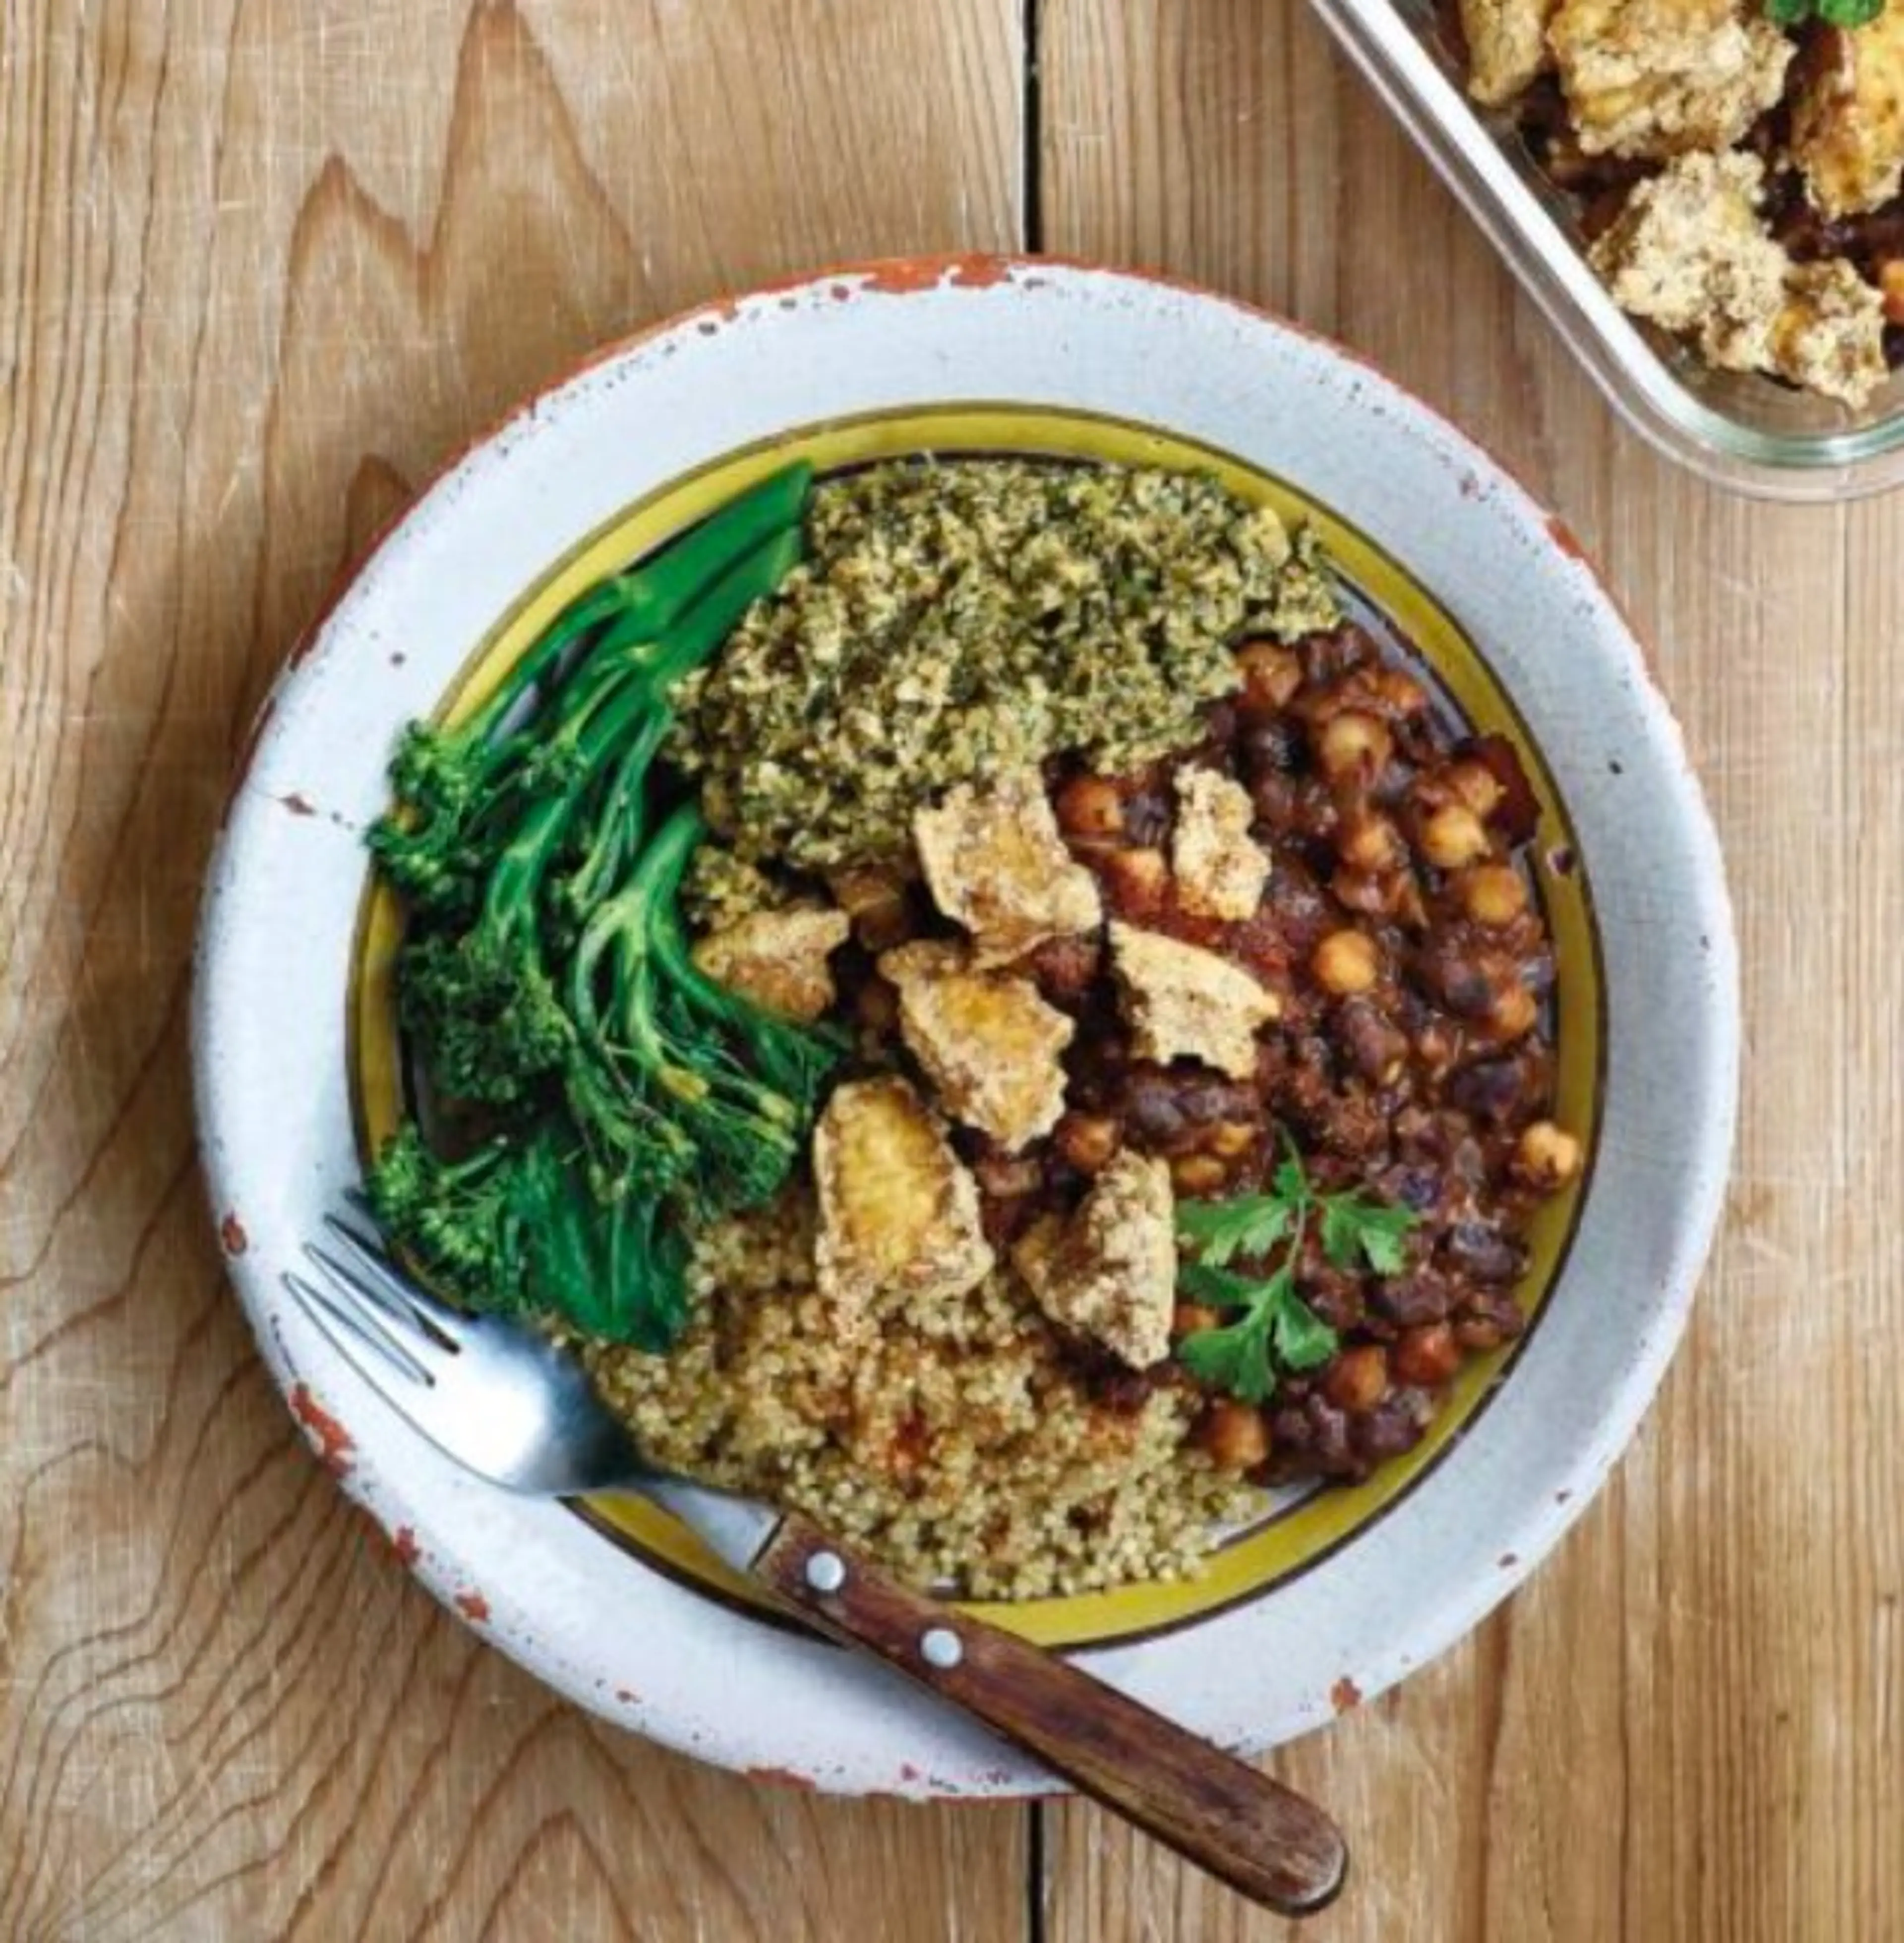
column 506, row 1403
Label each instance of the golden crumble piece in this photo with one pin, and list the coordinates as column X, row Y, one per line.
column 1689, row 251
column 778, row 959
column 1109, row 1272
column 1655, row 78
column 1220, row 869
column 1507, row 46
column 1847, row 122
column 995, row 863
column 1829, row 335
column 898, row 1211
column 987, row 1041
column 1182, row 1001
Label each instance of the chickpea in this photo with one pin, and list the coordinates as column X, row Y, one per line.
column 1271, row 673
column 1477, row 1332
column 1426, row 1355
column 1492, row 894
column 1890, row 281
column 1139, row 880
column 1197, row 1173
column 1089, row 1141
column 1477, row 786
column 1351, row 744
column 1235, row 1435
column 1358, row 1379
column 1089, row 806
column 1513, row 1013
column 1368, row 841
column 1453, row 837
column 1547, row 1156
column 1231, row 1140
column 1187, row 1318
column 1346, row 963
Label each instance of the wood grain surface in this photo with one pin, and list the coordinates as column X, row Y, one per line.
column 262, row 266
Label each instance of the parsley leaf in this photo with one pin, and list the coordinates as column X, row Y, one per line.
column 1218, row 1287
column 1833, row 13
column 1291, row 1183
column 1235, row 1359
column 1276, row 1329
column 1252, row 1224
column 1355, row 1231
column 1303, row 1339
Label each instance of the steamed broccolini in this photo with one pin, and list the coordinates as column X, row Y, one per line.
column 547, row 979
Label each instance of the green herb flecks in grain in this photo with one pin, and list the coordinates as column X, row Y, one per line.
column 963, row 620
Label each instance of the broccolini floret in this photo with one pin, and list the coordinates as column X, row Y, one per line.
column 547, row 981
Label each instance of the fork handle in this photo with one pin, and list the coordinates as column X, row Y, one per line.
column 1252, row 1832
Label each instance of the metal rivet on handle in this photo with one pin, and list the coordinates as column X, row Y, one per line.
column 826, row 1572
column 942, row 1647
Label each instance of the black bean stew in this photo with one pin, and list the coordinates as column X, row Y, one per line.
column 1413, row 1060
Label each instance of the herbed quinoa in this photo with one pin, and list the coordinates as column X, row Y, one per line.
column 954, row 1439
column 960, row 620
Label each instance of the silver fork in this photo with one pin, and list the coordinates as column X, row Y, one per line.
column 505, row 1402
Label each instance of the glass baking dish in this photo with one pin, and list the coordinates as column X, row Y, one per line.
column 1740, row 430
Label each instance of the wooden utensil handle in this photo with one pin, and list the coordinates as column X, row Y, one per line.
column 1252, row 1832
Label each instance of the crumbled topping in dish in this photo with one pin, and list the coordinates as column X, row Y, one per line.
column 779, row 959
column 1507, row 46
column 1183, row 1002
column 1109, row 1272
column 1847, row 122
column 996, row 864
column 987, row 1042
column 898, row 1210
column 1690, row 252
column 1220, row 869
column 1655, row 78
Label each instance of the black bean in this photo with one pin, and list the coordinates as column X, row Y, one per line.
column 1271, row 748
column 1375, row 1046
column 1394, row 1426
column 1497, row 1306
column 1492, row 1090
column 1333, row 1453
column 1067, row 968
column 1484, row 1253
column 1335, row 1298
column 1147, row 817
column 1408, row 1300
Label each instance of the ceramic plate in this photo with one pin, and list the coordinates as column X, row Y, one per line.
column 1334, row 1594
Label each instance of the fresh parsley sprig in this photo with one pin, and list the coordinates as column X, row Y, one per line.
column 1833, row 13
column 1276, row 1328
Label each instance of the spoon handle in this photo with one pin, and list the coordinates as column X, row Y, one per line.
column 1252, row 1832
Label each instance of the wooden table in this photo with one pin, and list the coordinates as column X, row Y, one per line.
column 262, row 268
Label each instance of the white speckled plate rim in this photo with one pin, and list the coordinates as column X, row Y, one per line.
column 270, row 1041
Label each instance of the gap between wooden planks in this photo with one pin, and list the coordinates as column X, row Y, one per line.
column 262, row 267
